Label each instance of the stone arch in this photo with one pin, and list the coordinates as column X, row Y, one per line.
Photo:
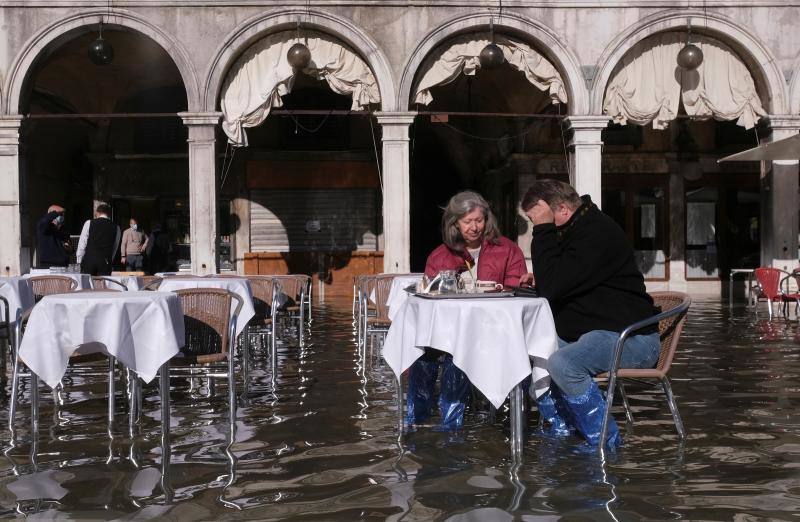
column 38, row 43
column 751, row 49
column 260, row 25
column 544, row 39
column 794, row 88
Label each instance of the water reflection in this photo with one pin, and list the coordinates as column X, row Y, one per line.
column 317, row 438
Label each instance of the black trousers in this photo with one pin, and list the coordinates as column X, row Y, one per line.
column 95, row 266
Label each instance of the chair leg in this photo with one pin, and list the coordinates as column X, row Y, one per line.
column 769, row 309
column 34, row 403
column 673, row 407
column 163, row 391
column 112, row 362
column 301, row 327
column 245, row 367
column 625, row 403
column 12, row 409
column 231, row 392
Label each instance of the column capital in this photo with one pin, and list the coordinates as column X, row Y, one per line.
column 788, row 122
column 9, row 134
column 588, row 122
column 395, row 118
column 200, row 118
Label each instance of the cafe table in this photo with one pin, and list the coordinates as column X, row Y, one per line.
column 84, row 280
column 142, row 330
column 19, row 295
column 496, row 341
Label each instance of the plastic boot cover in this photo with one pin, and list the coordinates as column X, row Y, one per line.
column 421, row 386
column 587, row 412
column 549, row 413
column 453, row 395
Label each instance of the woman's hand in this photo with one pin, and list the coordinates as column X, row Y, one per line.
column 527, row 280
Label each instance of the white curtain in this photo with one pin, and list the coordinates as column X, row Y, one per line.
column 262, row 75
column 649, row 85
column 462, row 55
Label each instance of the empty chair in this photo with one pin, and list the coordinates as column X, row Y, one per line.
column 107, row 283
column 50, row 285
column 210, row 324
column 378, row 324
column 294, row 289
column 265, row 292
column 790, row 292
column 768, row 286
column 674, row 307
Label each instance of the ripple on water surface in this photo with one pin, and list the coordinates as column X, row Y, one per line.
column 318, row 442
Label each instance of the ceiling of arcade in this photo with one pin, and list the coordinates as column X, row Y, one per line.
column 67, row 81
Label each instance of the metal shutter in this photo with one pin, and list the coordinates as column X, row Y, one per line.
column 304, row 220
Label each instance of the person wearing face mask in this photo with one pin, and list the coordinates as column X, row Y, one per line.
column 52, row 240
column 471, row 243
column 134, row 244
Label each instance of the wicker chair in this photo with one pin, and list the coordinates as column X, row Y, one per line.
column 293, row 286
column 379, row 324
column 674, row 308
column 265, row 301
column 366, row 308
column 6, row 335
column 210, row 333
column 50, row 285
column 107, row 283
column 150, row 283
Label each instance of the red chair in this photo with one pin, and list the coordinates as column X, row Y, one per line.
column 789, row 294
column 768, row 286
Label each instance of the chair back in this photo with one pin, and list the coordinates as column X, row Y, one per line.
column 106, row 283
column 50, row 285
column 150, row 283
column 670, row 327
column 291, row 286
column 367, row 286
column 207, row 319
column 263, row 288
column 768, row 281
column 383, row 285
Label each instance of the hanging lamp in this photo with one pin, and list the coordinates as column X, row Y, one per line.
column 691, row 56
column 299, row 55
column 100, row 51
column 491, row 56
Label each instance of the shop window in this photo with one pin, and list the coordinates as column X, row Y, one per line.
column 701, row 233
column 641, row 211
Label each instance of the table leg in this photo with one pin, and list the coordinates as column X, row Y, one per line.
column 34, row 403
column 400, row 408
column 112, row 362
column 163, row 390
column 518, row 419
column 730, row 290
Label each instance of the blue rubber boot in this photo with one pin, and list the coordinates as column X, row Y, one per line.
column 453, row 395
column 586, row 412
column 552, row 412
column 421, row 387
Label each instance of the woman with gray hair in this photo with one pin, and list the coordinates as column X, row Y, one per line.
column 472, row 242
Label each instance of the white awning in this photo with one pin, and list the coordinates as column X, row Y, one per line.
column 649, row 85
column 461, row 55
column 262, row 75
column 785, row 149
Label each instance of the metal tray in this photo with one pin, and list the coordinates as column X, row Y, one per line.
column 484, row 295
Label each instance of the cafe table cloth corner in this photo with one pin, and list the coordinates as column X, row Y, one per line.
column 497, row 342
column 142, row 330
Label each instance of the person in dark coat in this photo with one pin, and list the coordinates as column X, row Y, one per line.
column 52, row 240
column 99, row 243
column 157, row 251
column 584, row 265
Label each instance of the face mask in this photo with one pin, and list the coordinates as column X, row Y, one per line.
column 134, row 226
column 59, row 219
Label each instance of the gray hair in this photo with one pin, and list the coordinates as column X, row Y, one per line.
column 459, row 206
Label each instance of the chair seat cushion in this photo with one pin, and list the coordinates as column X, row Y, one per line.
column 635, row 373
column 184, row 358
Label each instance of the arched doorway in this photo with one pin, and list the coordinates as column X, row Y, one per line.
column 105, row 133
column 689, row 218
column 489, row 130
column 302, row 160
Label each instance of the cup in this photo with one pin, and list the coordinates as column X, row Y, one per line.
column 449, row 282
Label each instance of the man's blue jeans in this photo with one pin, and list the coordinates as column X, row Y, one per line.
column 574, row 364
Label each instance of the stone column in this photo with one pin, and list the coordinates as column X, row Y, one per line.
column 780, row 202
column 396, row 191
column 12, row 260
column 202, row 189
column 586, row 147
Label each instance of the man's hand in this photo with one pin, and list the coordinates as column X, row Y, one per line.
column 540, row 213
column 527, row 280
column 122, row 259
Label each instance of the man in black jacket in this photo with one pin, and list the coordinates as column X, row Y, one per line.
column 584, row 265
column 98, row 244
column 52, row 240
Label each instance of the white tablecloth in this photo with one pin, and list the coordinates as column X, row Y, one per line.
column 141, row 329
column 84, row 280
column 496, row 341
column 397, row 294
column 19, row 295
column 238, row 285
column 132, row 282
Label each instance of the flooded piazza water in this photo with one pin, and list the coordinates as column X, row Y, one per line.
column 320, row 443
